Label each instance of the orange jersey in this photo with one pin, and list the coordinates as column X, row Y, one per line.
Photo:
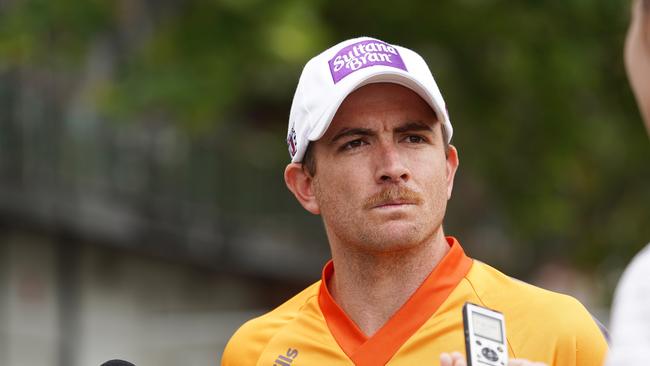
column 311, row 329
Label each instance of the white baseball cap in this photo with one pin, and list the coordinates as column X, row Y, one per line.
column 330, row 77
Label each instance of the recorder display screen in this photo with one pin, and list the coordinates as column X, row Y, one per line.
column 487, row 327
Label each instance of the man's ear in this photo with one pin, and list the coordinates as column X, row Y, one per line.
column 300, row 183
column 452, row 166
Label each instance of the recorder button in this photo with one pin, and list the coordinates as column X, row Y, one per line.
column 479, row 342
column 489, row 354
column 499, row 349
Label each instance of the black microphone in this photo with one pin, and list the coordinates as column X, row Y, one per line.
column 117, row 363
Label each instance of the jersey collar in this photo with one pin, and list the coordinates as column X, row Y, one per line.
column 380, row 348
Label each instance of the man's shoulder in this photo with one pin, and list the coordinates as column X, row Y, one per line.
column 533, row 307
column 526, row 301
column 487, row 279
column 248, row 342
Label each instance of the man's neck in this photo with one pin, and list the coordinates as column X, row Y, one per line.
column 371, row 287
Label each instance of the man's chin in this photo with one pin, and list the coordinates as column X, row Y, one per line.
column 394, row 236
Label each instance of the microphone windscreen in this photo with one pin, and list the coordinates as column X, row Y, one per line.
column 117, row 363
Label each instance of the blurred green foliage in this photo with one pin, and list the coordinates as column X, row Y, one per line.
column 551, row 144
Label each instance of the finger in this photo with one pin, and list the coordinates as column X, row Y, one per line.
column 457, row 355
column 458, row 358
column 445, row 359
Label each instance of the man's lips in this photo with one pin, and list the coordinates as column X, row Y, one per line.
column 398, row 203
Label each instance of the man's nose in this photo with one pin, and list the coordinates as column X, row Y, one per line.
column 390, row 165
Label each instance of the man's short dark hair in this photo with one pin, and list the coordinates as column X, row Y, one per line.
column 309, row 161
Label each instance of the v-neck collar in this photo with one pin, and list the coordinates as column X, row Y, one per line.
column 380, row 348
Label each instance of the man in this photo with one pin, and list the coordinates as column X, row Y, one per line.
column 369, row 141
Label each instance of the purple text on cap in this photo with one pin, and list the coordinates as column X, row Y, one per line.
column 364, row 54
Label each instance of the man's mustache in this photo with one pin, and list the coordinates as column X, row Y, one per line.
column 393, row 194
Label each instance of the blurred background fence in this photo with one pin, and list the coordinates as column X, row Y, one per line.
column 143, row 213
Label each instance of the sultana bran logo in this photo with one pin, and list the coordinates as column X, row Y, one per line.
column 364, row 54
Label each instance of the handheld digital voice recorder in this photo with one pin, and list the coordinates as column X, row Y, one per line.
column 485, row 336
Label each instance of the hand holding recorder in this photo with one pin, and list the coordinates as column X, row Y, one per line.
column 457, row 359
column 485, row 340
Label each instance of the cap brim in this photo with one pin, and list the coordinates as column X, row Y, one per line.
column 381, row 76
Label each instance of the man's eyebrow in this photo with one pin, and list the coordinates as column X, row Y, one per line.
column 351, row 132
column 413, row 126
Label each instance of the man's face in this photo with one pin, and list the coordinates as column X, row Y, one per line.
column 382, row 176
column 637, row 58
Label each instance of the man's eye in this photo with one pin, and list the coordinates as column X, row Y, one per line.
column 353, row 144
column 415, row 139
